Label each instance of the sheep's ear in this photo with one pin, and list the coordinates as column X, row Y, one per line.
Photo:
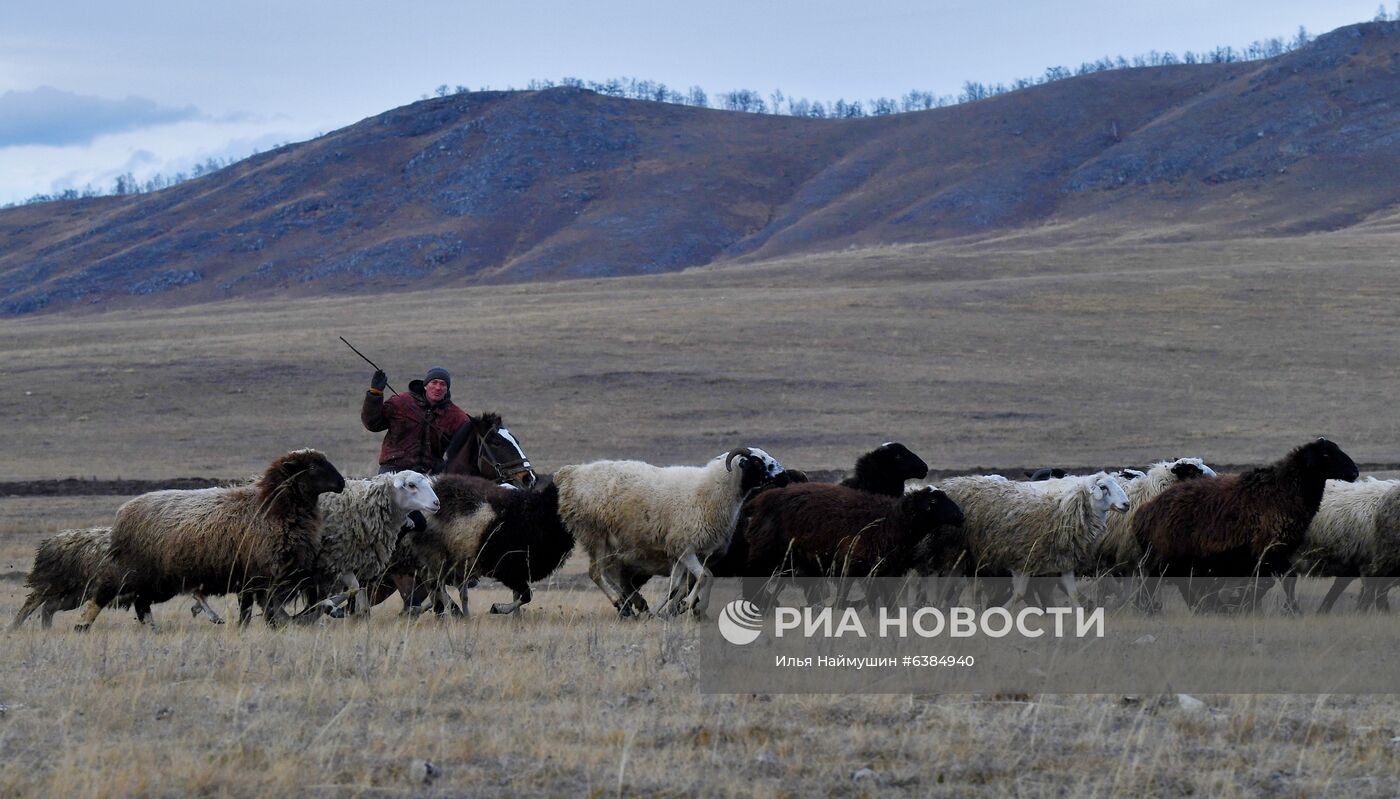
column 398, row 482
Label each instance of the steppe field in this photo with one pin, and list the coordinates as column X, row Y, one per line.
column 1000, row 355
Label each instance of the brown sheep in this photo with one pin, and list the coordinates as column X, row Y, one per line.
column 1237, row 526
column 259, row 540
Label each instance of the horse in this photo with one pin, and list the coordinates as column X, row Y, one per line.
column 484, row 447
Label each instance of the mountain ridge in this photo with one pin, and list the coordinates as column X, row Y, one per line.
column 564, row 183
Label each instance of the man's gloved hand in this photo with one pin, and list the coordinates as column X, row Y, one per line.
column 379, row 381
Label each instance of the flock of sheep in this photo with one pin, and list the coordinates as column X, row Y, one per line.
column 301, row 536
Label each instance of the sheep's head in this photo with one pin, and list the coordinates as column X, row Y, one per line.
column 1047, row 473
column 898, row 460
column 1107, row 494
column 757, row 468
column 928, row 508
column 304, row 471
column 932, row 526
column 413, row 492
column 1190, row 469
column 1129, row 474
column 1326, row 459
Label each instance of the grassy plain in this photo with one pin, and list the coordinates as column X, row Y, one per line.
column 994, row 355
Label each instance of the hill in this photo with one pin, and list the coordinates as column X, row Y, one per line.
column 564, row 183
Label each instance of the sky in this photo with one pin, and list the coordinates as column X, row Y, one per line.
column 91, row 89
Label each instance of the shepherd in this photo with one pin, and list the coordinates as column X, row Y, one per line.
column 421, row 422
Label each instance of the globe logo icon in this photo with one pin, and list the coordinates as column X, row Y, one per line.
column 740, row 622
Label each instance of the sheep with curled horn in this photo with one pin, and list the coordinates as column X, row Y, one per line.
column 1238, row 530
column 635, row 518
column 1355, row 533
column 258, row 541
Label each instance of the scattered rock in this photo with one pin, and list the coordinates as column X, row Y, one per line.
column 864, row 775
column 164, row 713
column 1145, row 640
column 423, row 771
column 1189, row 703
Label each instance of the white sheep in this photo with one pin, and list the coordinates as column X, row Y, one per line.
column 1350, row 537
column 634, row 518
column 1038, row 528
column 362, row 525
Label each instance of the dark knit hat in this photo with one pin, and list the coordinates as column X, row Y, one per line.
column 437, row 373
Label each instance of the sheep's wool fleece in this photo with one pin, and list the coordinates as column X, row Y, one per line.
column 1027, row 528
column 1346, row 532
column 361, row 527
column 1119, row 547
column 649, row 511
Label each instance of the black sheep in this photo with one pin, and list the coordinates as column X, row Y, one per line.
column 1238, row 525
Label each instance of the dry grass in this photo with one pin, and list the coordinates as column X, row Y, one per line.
column 973, row 356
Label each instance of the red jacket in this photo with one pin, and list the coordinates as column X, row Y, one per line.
column 418, row 432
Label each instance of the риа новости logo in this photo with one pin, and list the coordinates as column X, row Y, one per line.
column 740, row 622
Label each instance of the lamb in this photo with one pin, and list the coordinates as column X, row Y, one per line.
column 884, row 470
column 258, row 540
column 361, row 528
column 68, row 568
column 1237, row 526
column 818, row 529
column 1031, row 529
column 487, row 530
column 1349, row 538
column 1116, row 556
column 635, row 518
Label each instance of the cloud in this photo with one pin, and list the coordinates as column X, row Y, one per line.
column 47, row 116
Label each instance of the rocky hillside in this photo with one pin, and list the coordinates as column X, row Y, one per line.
column 518, row 186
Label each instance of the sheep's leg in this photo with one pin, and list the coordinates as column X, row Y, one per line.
column 143, row 612
column 1335, row 592
column 1289, row 584
column 46, row 614
column 672, row 605
column 1382, row 598
column 522, row 597
column 201, row 605
column 1019, row 584
column 245, row 607
column 613, row 593
column 462, row 589
column 31, row 604
column 698, row 600
column 90, row 613
column 1070, row 584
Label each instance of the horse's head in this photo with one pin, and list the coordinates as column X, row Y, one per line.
column 486, row 448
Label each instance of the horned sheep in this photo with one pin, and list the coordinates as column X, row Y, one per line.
column 634, row 518
column 258, row 540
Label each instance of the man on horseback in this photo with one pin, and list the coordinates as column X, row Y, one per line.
column 421, row 421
